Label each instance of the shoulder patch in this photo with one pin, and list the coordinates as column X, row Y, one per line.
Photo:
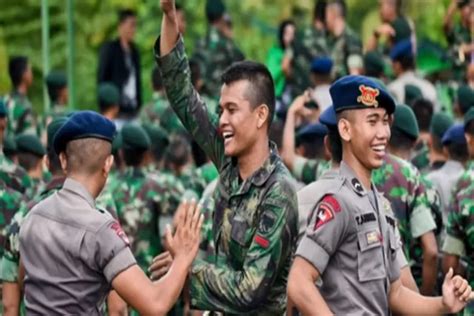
column 327, row 209
column 119, row 231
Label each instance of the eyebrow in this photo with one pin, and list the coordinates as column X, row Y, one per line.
column 227, row 104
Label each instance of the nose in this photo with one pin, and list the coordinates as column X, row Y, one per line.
column 223, row 119
column 383, row 132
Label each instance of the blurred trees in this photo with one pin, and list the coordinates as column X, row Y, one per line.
column 255, row 23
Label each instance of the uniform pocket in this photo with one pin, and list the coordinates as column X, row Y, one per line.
column 370, row 261
column 239, row 240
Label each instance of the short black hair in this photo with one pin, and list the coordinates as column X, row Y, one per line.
column 53, row 92
column 17, row 67
column 133, row 157
column 281, row 31
column 458, row 152
column 54, row 162
column 423, row 110
column 125, row 14
column 178, row 152
column 260, row 89
column 335, row 144
column 436, row 143
column 400, row 140
column 407, row 62
column 319, row 11
column 156, row 79
column 28, row 160
column 469, row 128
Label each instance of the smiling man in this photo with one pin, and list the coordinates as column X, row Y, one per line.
column 255, row 217
column 351, row 241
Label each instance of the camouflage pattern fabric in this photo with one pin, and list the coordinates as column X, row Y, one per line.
column 152, row 112
column 254, row 222
column 10, row 201
column 309, row 170
column 420, row 157
column 342, row 48
column 14, row 176
column 21, row 118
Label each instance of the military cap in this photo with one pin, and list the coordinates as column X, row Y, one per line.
column 56, row 79
column 465, row 97
column 108, row 93
column 214, row 9
column 412, row 93
column 30, row 143
column 312, row 131
column 374, row 63
column 117, row 143
column 404, row 120
column 321, row 65
column 454, row 135
column 135, row 137
column 402, row 29
column 440, row 122
column 84, row 124
column 401, row 49
column 359, row 92
column 3, row 109
column 158, row 136
column 52, row 129
column 469, row 116
column 9, row 144
column 328, row 117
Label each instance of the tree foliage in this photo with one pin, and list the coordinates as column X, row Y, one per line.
column 255, row 23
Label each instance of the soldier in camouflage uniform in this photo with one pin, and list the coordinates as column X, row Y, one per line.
column 56, row 83
column 13, row 175
column 20, row 111
column 217, row 50
column 141, row 201
column 152, row 112
column 411, row 201
column 459, row 242
column 255, row 216
column 344, row 45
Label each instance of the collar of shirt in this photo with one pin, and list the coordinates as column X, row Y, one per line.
column 56, row 183
column 348, row 173
column 77, row 188
column 453, row 166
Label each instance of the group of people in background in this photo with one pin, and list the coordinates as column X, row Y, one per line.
column 427, row 175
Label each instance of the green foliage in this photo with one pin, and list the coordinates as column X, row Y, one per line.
column 255, row 23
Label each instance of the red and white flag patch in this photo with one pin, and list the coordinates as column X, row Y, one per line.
column 119, row 231
column 327, row 209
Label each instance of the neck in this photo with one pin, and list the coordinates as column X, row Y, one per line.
column 89, row 182
column 253, row 159
column 124, row 43
column 401, row 153
column 36, row 173
column 434, row 156
column 22, row 88
column 339, row 27
column 362, row 173
column 110, row 114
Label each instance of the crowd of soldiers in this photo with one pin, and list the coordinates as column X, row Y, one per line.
column 335, row 179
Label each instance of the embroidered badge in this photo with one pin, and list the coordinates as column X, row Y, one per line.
column 368, row 96
column 119, row 231
column 261, row 241
column 327, row 209
column 372, row 237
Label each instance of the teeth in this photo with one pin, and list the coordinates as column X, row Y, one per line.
column 227, row 134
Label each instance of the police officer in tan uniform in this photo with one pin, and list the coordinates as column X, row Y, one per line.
column 351, row 241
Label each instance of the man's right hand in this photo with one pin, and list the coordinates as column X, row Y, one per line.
column 184, row 244
column 167, row 6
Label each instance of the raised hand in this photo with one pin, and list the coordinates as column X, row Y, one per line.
column 167, row 6
column 456, row 292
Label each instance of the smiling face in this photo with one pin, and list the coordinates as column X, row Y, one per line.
column 240, row 123
column 367, row 132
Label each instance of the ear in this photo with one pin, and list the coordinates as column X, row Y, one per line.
column 429, row 141
column 327, row 148
column 344, row 128
column 63, row 160
column 262, row 115
column 46, row 161
column 109, row 162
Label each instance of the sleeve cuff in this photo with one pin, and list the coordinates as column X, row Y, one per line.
column 454, row 246
column 122, row 261
column 171, row 60
column 401, row 259
column 314, row 253
column 421, row 222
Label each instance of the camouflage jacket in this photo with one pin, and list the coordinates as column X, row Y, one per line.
column 21, row 118
column 10, row 201
column 214, row 53
column 13, row 175
column 342, row 48
column 309, row 170
column 153, row 110
column 403, row 186
column 254, row 221
column 420, row 157
column 141, row 202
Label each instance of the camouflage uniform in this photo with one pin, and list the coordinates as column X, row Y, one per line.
column 309, row 170
column 402, row 185
column 10, row 201
column 21, row 118
column 13, row 175
column 459, row 35
column 141, row 202
column 193, row 182
column 420, row 157
column 460, row 233
column 152, row 112
column 309, row 44
column 342, row 49
column 254, row 221
column 208, row 172
column 215, row 53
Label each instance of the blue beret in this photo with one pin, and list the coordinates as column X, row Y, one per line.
column 328, row 117
column 360, row 92
column 3, row 109
column 312, row 131
column 403, row 48
column 84, row 124
column 321, row 65
column 455, row 134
